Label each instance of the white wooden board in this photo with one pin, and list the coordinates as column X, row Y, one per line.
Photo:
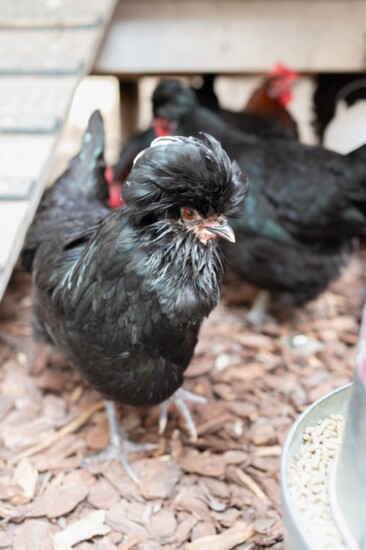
column 172, row 36
column 26, row 155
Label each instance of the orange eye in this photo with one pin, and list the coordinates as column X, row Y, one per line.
column 188, row 214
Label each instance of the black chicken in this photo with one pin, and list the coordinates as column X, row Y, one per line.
column 304, row 207
column 122, row 294
column 206, row 94
column 265, row 116
column 331, row 87
column 161, row 126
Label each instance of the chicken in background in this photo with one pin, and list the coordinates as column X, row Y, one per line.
column 330, row 87
column 161, row 126
column 206, row 94
column 265, row 115
column 122, row 293
column 305, row 206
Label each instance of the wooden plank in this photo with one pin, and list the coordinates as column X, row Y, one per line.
column 29, row 157
column 32, row 21
column 43, row 96
column 24, row 156
column 47, row 8
column 51, row 52
column 166, row 36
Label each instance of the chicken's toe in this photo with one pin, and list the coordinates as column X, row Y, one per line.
column 116, row 448
column 179, row 398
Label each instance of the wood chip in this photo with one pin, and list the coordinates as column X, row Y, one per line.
column 7, row 539
column 203, row 463
column 245, row 372
column 66, row 430
column 262, row 433
column 103, row 495
column 33, row 534
column 82, row 530
column 239, row 533
column 25, row 476
column 117, row 518
column 256, row 341
column 273, row 450
column 203, row 529
column 6, row 404
column 158, row 478
column 249, row 482
column 162, row 526
column 59, row 500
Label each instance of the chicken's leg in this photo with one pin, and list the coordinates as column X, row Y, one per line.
column 115, row 449
column 259, row 308
column 179, row 398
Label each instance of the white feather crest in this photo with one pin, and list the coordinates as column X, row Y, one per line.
column 164, row 140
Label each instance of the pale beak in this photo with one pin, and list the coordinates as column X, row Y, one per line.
column 222, row 230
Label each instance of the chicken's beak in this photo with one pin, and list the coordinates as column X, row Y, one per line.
column 222, row 229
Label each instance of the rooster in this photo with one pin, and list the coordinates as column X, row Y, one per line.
column 122, row 294
column 265, row 114
column 305, row 206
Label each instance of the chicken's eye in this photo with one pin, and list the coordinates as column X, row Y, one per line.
column 188, row 214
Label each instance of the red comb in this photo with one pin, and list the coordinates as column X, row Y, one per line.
column 282, row 70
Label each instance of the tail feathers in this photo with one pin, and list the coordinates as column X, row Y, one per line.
column 85, row 173
column 82, row 185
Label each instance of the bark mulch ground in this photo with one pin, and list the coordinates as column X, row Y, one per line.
column 218, row 493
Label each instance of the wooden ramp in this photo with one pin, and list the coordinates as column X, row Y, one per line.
column 46, row 47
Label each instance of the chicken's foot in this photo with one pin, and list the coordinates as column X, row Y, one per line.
column 259, row 308
column 115, row 449
column 179, row 398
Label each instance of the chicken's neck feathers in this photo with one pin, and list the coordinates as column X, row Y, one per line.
column 182, row 272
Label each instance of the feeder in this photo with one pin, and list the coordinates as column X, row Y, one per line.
column 346, row 482
column 348, row 479
column 297, row 536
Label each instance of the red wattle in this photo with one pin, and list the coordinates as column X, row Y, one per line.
column 115, row 199
column 161, row 127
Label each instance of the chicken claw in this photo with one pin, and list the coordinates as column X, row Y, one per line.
column 179, row 398
column 115, row 449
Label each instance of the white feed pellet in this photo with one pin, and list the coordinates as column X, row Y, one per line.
column 308, row 477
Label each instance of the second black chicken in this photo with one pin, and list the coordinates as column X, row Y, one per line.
column 305, row 206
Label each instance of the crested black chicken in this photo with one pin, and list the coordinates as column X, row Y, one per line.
column 304, row 207
column 122, row 293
